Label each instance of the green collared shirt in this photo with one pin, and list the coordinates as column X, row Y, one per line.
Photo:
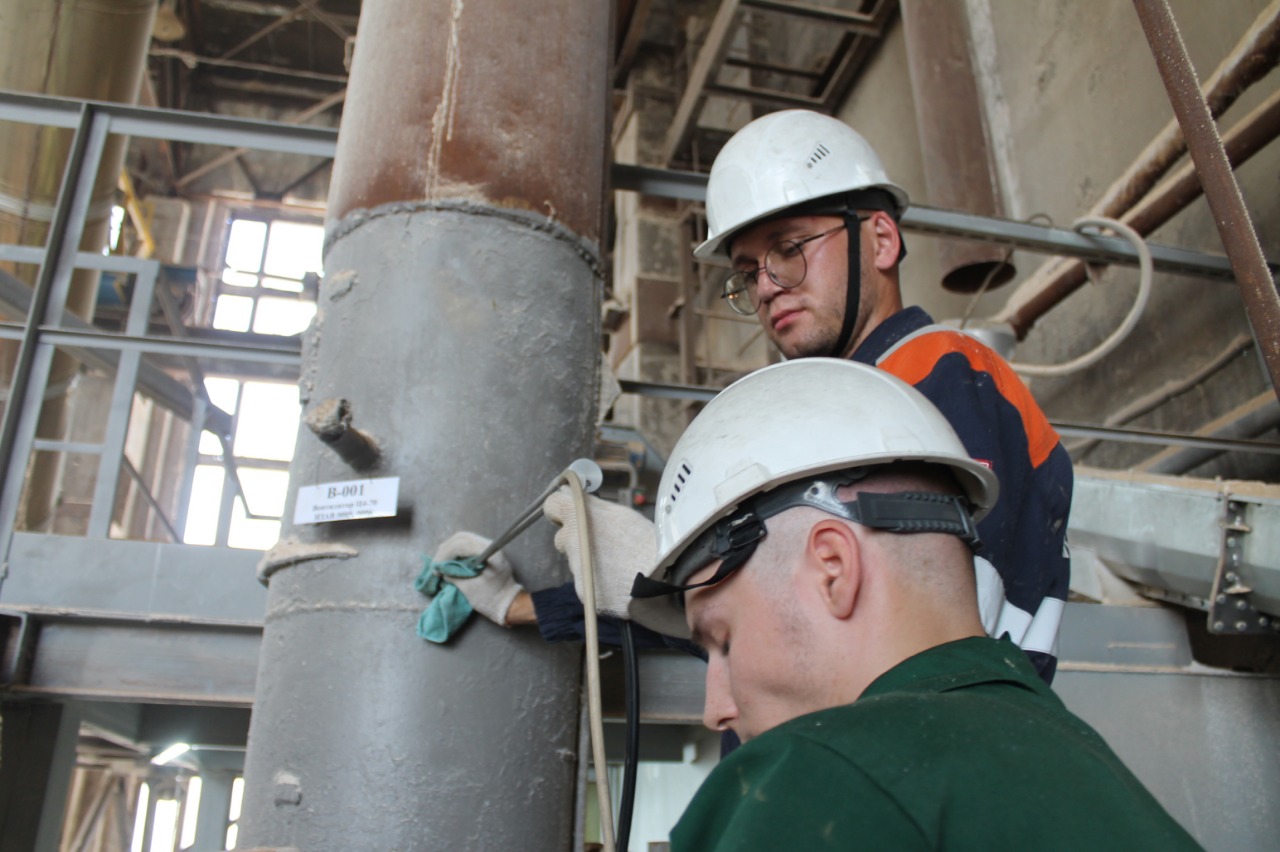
column 959, row 747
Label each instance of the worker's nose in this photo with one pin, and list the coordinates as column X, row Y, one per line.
column 718, row 709
column 766, row 287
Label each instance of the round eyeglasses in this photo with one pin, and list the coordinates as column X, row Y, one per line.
column 784, row 264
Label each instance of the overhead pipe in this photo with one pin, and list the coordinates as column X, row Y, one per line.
column 958, row 167
column 460, row 316
column 1235, row 228
column 1255, row 417
column 93, row 49
column 1148, row 402
column 1253, row 58
column 138, row 215
column 1045, row 291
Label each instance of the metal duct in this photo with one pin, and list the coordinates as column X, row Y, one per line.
column 93, row 49
column 459, row 320
column 957, row 163
column 1122, row 516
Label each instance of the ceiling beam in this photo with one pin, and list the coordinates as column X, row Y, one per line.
column 223, row 159
column 304, row 6
column 858, row 21
column 710, row 56
column 193, row 61
column 272, row 10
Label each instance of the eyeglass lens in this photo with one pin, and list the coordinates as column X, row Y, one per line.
column 784, row 264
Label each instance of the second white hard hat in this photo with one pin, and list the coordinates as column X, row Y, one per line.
column 792, row 422
column 788, row 159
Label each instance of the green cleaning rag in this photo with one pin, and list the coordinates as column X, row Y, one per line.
column 449, row 607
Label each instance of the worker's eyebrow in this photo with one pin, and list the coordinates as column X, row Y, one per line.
column 698, row 634
column 781, row 232
column 698, row 637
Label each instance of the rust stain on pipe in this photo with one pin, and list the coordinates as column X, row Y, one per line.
column 1253, row 58
column 1262, row 303
column 1250, row 61
column 470, row 112
column 1063, row 278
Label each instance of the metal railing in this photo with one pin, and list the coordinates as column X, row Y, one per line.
column 128, row 354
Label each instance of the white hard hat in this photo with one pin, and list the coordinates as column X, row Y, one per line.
column 783, row 160
column 792, row 422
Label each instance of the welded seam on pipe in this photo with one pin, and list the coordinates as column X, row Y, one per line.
column 282, row 612
column 356, row 219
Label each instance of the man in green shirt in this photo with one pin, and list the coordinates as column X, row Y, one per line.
column 827, row 571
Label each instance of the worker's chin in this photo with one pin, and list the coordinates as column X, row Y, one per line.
column 799, row 347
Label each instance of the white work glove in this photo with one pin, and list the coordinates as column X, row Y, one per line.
column 622, row 545
column 491, row 592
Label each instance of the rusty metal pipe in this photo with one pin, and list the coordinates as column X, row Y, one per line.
column 1253, row 58
column 1262, row 303
column 460, row 315
column 1241, row 142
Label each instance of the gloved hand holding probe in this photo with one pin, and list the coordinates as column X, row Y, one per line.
column 491, row 592
column 622, row 545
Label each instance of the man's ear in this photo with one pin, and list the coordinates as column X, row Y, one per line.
column 836, row 554
column 888, row 240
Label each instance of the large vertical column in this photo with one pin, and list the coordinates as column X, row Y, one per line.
column 459, row 319
column 215, row 808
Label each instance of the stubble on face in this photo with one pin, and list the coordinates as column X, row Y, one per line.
column 806, row 322
column 760, row 637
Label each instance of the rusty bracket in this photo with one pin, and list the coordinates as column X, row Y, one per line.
column 1230, row 609
column 330, row 420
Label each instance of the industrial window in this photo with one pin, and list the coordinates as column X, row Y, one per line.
column 267, row 285
column 269, row 274
column 265, row 417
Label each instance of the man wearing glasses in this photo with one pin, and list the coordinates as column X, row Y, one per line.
column 801, row 206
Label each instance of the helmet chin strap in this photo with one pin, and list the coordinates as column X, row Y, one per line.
column 853, row 295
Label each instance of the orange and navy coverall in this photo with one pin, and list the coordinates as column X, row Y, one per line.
column 1001, row 426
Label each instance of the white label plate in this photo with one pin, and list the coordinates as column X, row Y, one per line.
column 344, row 501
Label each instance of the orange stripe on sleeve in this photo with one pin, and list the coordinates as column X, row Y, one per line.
column 914, row 361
